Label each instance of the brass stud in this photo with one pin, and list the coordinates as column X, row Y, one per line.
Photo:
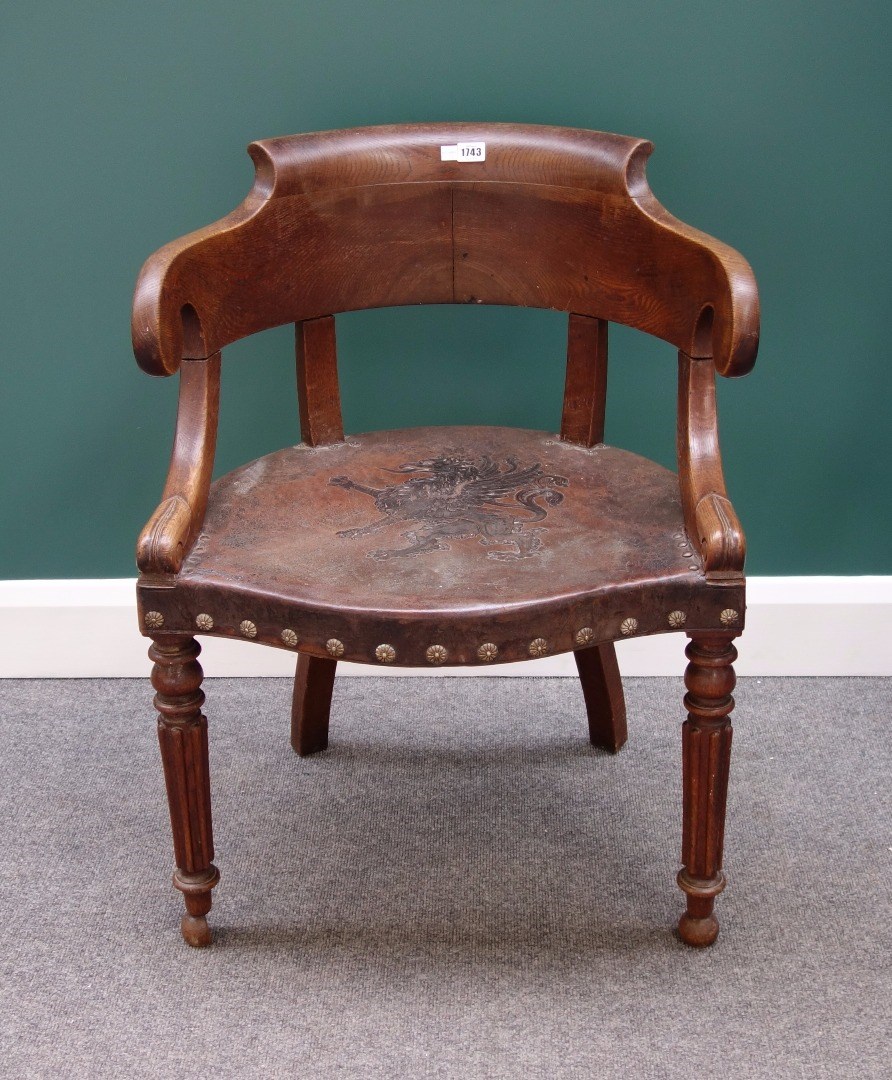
column 677, row 619
column 728, row 616
column 538, row 647
column 154, row 620
column 386, row 654
column 436, row 654
column 247, row 628
column 628, row 626
column 488, row 652
column 585, row 636
column 334, row 647
column 204, row 622
column 289, row 637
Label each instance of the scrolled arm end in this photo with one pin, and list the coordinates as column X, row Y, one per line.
column 166, row 538
column 720, row 537
column 736, row 332
column 164, row 327
column 156, row 323
column 178, row 291
column 721, row 287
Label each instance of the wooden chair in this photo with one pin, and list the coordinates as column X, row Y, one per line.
column 463, row 545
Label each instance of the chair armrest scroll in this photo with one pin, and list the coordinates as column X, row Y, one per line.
column 163, row 542
column 178, row 282
column 727, row 329
column 172, row 529
column 709, row 517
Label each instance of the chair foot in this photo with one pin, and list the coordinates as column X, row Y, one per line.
column 698, row 926
column 196, row 890
column 706, row 752
column 699, row 933
column 196, row 931
column 311, row 704
column 605, row 702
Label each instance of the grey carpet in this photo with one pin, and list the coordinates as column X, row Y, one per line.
column 460, row 887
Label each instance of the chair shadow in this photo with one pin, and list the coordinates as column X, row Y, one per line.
column 384, row 847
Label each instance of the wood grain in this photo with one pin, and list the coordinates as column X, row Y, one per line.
column 604, row 699
column 318, row 391
column 371, row 217
column 170, row 532
column 710, row 519
column 585, row 388
column 706, row 742
column 311, row 703
column 182, row 736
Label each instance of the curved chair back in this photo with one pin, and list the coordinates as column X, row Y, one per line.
column 374, row 217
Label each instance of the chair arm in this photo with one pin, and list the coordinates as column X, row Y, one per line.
column 727, row 329
column 709, row 517
column 171, row 531
column 164, row 324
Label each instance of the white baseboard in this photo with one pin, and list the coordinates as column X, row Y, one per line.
column 794, row 626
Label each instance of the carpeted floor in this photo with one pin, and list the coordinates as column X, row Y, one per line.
column 460, row 887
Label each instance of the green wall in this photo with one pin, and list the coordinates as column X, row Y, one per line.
column 124, row 126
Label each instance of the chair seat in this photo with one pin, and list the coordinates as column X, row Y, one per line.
column 443, row 545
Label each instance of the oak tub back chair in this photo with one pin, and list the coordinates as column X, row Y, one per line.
column 487, row 544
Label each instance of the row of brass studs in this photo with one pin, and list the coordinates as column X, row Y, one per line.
column 438, row 654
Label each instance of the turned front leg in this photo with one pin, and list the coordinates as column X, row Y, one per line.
column 706, row 742
column 183, row 736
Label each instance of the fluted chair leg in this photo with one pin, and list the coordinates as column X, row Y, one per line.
column 311, row 704
column 183, row 737
column 706, row 743
column 605, row 702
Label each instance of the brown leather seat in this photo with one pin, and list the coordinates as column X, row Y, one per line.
column 471, row 533
column 462, row 545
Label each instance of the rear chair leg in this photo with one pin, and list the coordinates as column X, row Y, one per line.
column 311, row 704
column 183, row 736
column 604, row 699
column 706, row 748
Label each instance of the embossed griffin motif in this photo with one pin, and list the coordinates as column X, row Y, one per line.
column 456, row 497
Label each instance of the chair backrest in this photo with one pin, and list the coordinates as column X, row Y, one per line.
column 374, row 217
